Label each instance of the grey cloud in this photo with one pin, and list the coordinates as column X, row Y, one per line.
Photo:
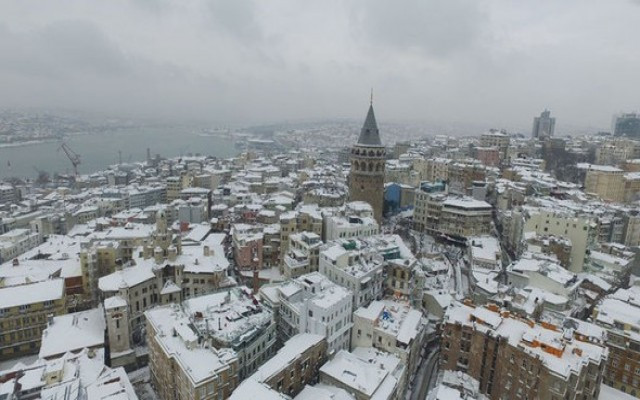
column 490, row 62
column 437, row 27
column 236, row 18
column 61, row 49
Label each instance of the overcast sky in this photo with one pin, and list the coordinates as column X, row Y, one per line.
column 460, row 61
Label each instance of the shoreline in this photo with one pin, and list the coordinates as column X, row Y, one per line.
column 27, row 143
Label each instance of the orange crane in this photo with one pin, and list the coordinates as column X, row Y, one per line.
column 73, row 157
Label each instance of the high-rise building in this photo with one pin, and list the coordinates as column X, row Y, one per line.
column 543, row 125
column 366, row 182
column 627, row 124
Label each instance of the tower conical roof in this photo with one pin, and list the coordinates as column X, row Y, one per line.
column 369, row 135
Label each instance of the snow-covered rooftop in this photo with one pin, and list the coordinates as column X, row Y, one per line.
column 73, row 332
column 38, row 292
column 573, row 354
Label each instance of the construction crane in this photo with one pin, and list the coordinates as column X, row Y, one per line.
column 73, row 157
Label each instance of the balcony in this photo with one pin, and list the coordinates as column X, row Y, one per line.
column 295, row 263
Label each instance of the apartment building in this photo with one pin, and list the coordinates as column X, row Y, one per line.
column 401, row 171
column 485, row 253
column 516, row 358
column 455, row 216
column 17, row 242
column 313, row 304
column 400, row 277
column 295, row 365
column 231, row 319
column 465, row 216
column 73, row 333
column 631, row 187
column 488, row 156
column 7, row 194
column 197, row 193
column 553, row 246
column 175, row 184
column 604, row 181
column 617, row 151
column 578, row 229
column 303, row 254
column 359, row 264
column 459, row 217
column 393, row 327
column 462, row 175
column 366, row 373
column 456, row 385
column 74, row 376
column 631, row 228
column 248, row 241
column 98, row 259
column 529, row 271
column 162, row 272
column 129, row 237
column 184, row 365
column 436, row 169
column 617, row 314
column 632, row 165
column 24, row 312
column 354, row 220
column 428, row 206
column 497, row 139
column 308, row 218
column 192, row 211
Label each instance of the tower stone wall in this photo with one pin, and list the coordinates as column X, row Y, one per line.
column 368, row 155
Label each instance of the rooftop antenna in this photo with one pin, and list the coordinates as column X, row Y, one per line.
column 371, row 101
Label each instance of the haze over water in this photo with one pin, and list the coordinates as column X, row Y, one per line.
column 98, row 151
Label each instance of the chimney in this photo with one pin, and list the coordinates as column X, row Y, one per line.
column 256, row 279
column 16, row 262
column 206, row 251
column 146, row 250
column 172, row 253
column 158, row 255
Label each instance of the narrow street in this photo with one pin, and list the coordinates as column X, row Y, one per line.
column 427, row 373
